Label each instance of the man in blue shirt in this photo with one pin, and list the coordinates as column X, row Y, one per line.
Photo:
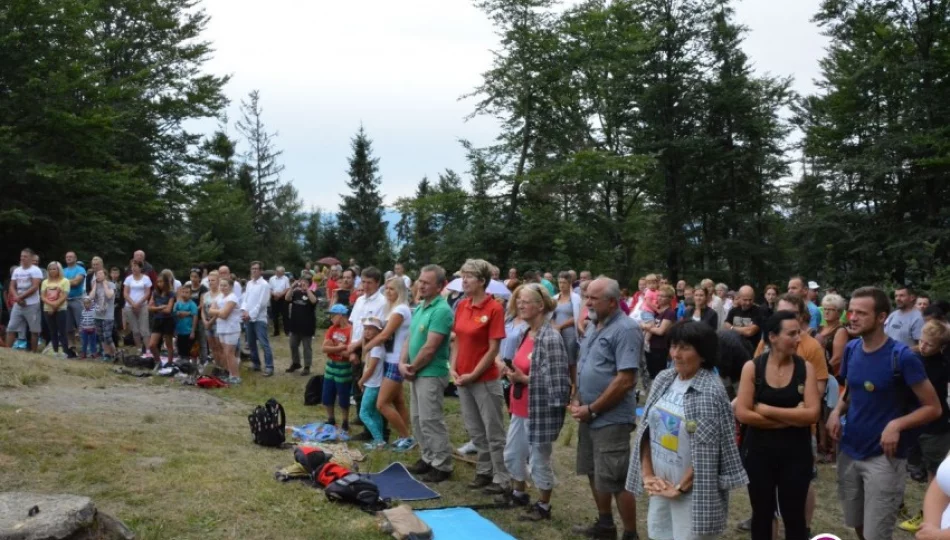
column 881, row 416
column 796, row 286
column 76, row 274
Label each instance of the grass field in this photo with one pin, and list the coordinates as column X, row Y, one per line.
column 177, row 462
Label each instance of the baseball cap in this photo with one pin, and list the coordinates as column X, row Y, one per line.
column 372, row 321
column 338, row 309
column 813, row 286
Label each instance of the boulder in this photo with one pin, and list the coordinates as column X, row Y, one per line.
column 37, row 516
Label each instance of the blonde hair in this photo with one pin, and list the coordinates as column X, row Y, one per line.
column 402, row 294
column 650, row 277
column 59, row 268
column 833, row 301
column 541, row 294
column 668, row 291
column 512, row 309
column 936, row 331
column 479, row 268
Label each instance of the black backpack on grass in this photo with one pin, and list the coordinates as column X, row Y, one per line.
column 356, row 489
column 135, row 361
column 313, row 394
column 268, row 423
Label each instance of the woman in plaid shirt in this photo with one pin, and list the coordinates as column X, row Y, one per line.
column 540, row 390
column 684, row 453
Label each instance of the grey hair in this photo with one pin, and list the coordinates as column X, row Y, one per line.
column 611, row 287
column 833, row 301
column 280, row 269
column 722, row 287
column 437, row 270
column 479, row 268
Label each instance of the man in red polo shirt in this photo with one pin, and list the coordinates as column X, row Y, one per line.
column 479, row 328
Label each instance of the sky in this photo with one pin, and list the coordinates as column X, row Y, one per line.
column 400, row 70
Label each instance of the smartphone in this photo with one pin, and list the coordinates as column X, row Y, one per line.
column 508, row 364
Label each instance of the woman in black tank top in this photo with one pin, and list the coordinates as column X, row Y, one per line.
column 778, row 402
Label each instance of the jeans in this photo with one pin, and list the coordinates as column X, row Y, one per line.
column 295, row 341
column 90, row 345
column 370, row 415
column 57, row 329
column 257, row 332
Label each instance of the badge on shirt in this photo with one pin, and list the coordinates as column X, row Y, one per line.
column 691, row 426
column 869, row 386
column 801, row 389
column 484, row 319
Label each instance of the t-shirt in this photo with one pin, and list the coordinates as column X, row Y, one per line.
column 23, row 277
column 522, row 361
column 339, row 336
column 196, row 292
column 662, row 343
column 744, row 318
column 231, row 324
column 396, row 342
column 650, row 300
column 433, row 316
column 939, row 374
column 549, row 286
column 331, row 288
column 183, row 325
column 279, row 285
column 814, row 315
column 105, row 306
column 475, row 326
column 904, row 326
column 616, row 346
column 72, row 273
column 376, row 379
column 52, row 291
column 875, row 399
column 137, row 289
column 669, row 438
column 303, row 315
column 162, row 300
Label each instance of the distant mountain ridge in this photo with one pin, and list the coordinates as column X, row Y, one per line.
column 390, row 216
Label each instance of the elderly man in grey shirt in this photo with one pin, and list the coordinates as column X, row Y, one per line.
column 605, row 407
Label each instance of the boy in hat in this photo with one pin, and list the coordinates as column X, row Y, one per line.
column 338, row 376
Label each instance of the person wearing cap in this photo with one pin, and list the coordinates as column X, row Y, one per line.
column 338, row 374
column 796, row 286
column 373, row 359
column 302, row 323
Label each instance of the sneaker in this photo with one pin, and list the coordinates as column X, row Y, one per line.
column 108, row 359
column 234, row 380
column 70, row 353
column 467, row 448
column 404, row 445
column 375, row 445
column 305, row 372
column 480, row 481
column 435, row 476
column 269, row 372
column 292, row 368
column 148, row 354
column 536, row 513
column 495, row 489
column 48, row 351
column 61, row 355
column 419, row 467
column 745, row 525
column 596, row 530
column 510, row 499
column 345, row 426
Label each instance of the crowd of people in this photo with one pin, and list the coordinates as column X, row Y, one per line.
column 740, row 390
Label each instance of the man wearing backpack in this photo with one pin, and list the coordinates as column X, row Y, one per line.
column 875, row 422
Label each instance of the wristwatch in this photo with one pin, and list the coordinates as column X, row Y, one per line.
column 679, row 487
column 593, row 415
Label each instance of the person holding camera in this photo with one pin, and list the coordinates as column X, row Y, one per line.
column 302, row 323
column 541, row 388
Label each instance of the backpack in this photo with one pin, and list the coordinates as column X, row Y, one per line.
column 268, row 423
column 358, row 490
column 761, row 362
column 313, row 394
column 137, row 362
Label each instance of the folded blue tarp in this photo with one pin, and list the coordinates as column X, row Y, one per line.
column 461, row 524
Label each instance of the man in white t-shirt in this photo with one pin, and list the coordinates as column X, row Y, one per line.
column 279, row 283
column 254, row 305
column 400, row 271
column 370, row 304
column 24, row 290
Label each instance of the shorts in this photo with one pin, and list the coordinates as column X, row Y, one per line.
column 335, row 391
column 184, row 342
column 104, row 328
column 164, row 326
column 871, row 492
column 391, row 372
column 23, row 317
column 73, row 314
column 231, row 338
column 210, row 330
column 604, row 454
column 934, row 448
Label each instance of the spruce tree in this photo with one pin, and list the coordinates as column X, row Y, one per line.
column 360, row 220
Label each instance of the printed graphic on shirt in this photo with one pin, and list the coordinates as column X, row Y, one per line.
column 668, row 435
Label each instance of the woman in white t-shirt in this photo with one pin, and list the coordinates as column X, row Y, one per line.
column 208, row 301
column 225, row 310
column 137, row 289
column 391, row 403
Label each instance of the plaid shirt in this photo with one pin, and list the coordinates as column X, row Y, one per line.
column 717, row 468
column 549, row 386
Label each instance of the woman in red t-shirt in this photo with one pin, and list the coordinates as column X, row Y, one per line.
column 479, row 328
column 539, row 369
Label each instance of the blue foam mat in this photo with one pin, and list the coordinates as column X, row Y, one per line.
column 395, row 482
column 461, row 524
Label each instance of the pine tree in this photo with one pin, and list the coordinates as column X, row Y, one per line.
column 262, row 159
column 360, row 220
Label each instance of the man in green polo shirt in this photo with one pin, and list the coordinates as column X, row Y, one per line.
column 425, row 364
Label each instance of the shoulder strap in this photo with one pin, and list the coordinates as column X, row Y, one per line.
column 281, row 416
column 760, row 363
column 895, row 362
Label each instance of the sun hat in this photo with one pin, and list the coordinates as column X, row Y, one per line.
column 338, row 309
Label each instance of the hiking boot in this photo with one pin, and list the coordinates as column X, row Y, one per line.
column 435, row 476
column 596, row 530
column 305, row 372
column 745, row 525
column 510, row 499
column 480, row 481
column 536, row 513
column 292, row 368
column 419, row 467
column 495, row 489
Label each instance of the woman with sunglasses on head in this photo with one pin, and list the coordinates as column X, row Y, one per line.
column 228, row 330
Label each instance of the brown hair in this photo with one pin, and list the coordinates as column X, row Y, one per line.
column 882, row 304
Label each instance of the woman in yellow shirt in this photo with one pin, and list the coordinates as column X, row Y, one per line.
column 53, row 292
